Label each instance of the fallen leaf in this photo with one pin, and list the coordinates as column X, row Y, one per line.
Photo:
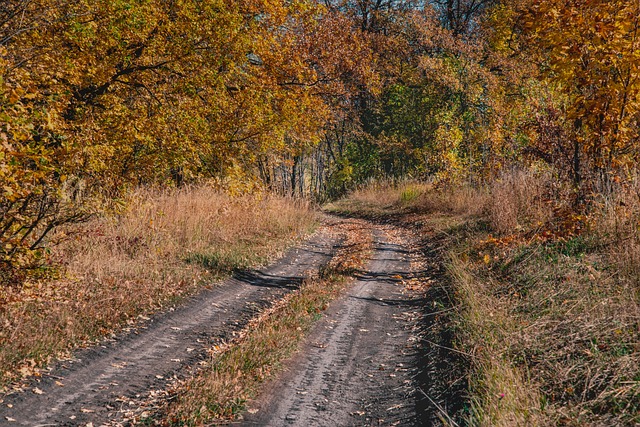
column 86, row 411
column 36, row 390
column 59, row 384
column 10, row 419
column 252, row 411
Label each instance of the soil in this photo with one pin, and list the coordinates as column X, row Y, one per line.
column 99, row 383
column 371, row 360
column 358, row 364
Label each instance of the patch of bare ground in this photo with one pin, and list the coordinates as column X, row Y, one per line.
column 358, row 365
column 102, row 384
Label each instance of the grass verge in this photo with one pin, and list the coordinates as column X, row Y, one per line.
column 545, row 301
column 558, row 314
column 164, row 246
column 236, row 370
column 500, row 393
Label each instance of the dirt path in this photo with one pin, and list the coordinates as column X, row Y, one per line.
column 98, row 385
column 359, row 364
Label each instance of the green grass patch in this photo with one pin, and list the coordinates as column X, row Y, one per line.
column 224, row 262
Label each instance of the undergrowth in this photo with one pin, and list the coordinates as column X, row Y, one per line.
column 165, row 246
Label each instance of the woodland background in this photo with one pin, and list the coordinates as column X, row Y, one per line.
column 304, row 98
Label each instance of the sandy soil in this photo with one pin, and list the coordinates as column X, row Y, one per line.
column 359, row 363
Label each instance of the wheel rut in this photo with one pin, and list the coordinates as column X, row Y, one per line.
column 99, row 384
column 358, row 365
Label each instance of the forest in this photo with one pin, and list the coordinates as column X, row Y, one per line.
column 147, row 146
column 304, row 98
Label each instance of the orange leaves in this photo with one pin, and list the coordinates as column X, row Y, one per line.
column 99, row 96
column 588, row 51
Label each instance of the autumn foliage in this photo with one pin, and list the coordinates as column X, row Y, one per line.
column 305, row 98
column 97, row 97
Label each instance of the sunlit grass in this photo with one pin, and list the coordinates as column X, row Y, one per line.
column 168, row 244
column 548, row 302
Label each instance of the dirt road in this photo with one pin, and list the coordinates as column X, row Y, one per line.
column 98, row 384
column 358, row 365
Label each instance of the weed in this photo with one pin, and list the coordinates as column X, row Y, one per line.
column 410, row 193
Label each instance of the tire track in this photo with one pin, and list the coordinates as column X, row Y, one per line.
column 99, row 384
column 358, row 365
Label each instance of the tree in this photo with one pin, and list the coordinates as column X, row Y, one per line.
column 590, row 52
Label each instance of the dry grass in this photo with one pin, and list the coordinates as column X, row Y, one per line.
column 549, row 299
column 380, row 200
column 618, row 216
column 578, row 331
column 519, row 201
column 501, row 395
column 557, row 323
column 221, row 390
column 165, row 246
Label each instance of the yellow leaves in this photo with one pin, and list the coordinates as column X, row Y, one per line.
column 14, row 96
column 588, row 51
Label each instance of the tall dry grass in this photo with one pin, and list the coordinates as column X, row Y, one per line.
column 549, row 312
column 519, row 200
column 515, row 201
column 383, row 199
column 617, row 224
column 501, row 395
column 166, row 245
column 464, row 199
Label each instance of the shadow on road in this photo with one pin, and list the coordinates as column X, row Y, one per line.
column 258, row 278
